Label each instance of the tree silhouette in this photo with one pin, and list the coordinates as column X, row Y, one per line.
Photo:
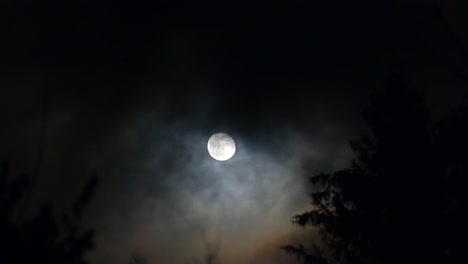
column 401, row 198
column 41, row 239
column 452, row 148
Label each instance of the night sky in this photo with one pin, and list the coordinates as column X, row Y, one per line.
column 132, row 92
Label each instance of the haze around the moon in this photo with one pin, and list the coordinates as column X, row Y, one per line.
column 133, row 97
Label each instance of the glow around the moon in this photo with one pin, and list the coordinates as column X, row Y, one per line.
column 221, row 146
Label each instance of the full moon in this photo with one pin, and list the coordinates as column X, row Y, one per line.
column 221, row 146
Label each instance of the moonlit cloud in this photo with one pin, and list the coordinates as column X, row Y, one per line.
column 168, row 195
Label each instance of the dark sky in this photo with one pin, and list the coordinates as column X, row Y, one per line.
column 132, row 91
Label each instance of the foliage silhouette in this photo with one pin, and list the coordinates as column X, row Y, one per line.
column 42, row 239
column 402, row 198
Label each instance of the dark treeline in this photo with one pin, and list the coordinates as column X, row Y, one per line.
column 403, row 197
column 45, row 237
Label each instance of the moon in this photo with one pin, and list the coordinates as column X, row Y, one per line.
column 221, row 146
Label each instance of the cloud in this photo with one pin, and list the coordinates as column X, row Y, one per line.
column 165, row 193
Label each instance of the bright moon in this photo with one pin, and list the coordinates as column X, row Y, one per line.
column 221, row 146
